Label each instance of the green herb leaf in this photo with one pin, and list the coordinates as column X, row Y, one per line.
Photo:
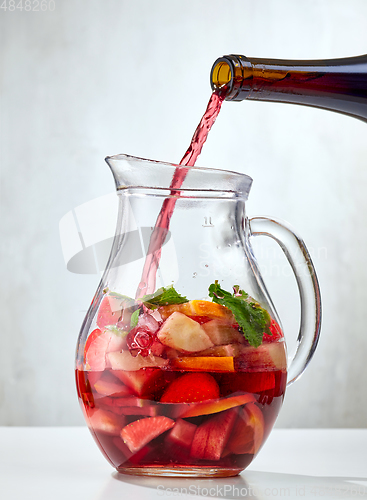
column 250, row 316
column 134, row 318
column 163, row 297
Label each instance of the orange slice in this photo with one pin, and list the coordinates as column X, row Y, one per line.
column 204, row 364
column 217, row 405
column 198, row 308
column 210, row 309
column 248, row 433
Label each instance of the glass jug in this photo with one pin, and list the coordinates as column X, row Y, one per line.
column 188, row 379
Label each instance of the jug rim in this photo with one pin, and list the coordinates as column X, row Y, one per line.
column 197, row 178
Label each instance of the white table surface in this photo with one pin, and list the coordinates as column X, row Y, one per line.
column 64, row 463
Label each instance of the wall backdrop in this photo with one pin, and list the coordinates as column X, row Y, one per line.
column 85, row 79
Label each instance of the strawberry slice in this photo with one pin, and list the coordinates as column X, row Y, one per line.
column 139, row 433
column 216, row 406
column 211, row 437
column 99, row 346
column 110, row 310
column 191, row 387
column 92, row 336
column 276, row 332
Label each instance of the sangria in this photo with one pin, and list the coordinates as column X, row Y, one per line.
column 176, row 386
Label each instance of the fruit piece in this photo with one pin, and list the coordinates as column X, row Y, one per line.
column 211, row 437
column 125, row 361
column 182, row 433
column 216, row 406
column 230, row 350
column 140, row 455
column 184, row 334
column 248, row 432
column 205, row 364
column 110, row 310
column 149, row 411
column 103, row 343
column 120, row 445
column 105, row 387
column 271, row 356
column 106, row 421
column 91, row 337
column 191, row 387
column 221, row 333
column 139, row 433
column 247, row 382
column 276, row 332
column 118, row 402
column 198, row 308
column 142, row 382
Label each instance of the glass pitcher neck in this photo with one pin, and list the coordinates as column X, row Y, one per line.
column 131, row 172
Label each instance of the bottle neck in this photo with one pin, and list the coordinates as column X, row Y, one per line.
column 336, row 84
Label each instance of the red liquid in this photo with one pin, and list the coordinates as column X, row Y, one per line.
column 245, row 430
column 148, row 279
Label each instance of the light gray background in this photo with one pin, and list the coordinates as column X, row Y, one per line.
column 94, row 78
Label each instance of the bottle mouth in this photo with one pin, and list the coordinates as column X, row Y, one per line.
column 133, row 172
column 232, row 74
column 221, row 74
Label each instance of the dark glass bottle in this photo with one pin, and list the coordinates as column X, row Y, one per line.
column 335, row 84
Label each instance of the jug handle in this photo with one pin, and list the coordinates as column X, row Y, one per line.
column 308, row 286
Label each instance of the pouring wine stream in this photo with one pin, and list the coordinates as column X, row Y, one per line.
column 158, row 236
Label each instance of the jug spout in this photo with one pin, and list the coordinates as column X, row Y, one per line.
column 132, row 172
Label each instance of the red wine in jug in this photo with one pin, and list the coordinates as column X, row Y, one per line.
column 148, row 279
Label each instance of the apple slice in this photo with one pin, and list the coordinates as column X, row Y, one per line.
column 105, row 387
column 247, row 382
column 141, row 382
column 139, row 433
column 184, row 334
column 204, row 363
column 248, row 432
column 216, row 406
column 126, row 362
column 106, row 422
column 182, row 434
column 191, row 387
column 211, row 437
column 230, row 350
column 271, row 356
column 221, row 333
column 148, row 411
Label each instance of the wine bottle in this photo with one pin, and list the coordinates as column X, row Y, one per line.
column 335, row 84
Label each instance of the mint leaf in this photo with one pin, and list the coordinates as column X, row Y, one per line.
column 134, row 318
column 250, row 316
column 163, row 297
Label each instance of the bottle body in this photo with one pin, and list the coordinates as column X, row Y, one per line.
column 335, row 84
